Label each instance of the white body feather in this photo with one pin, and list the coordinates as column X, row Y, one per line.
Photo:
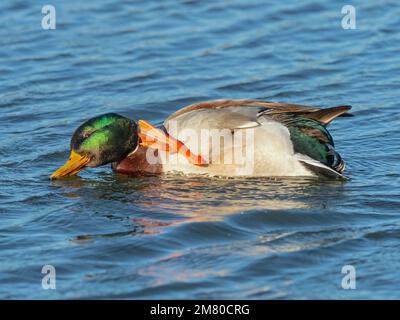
column 252, row 146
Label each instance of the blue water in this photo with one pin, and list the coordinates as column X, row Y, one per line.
column 109, row 236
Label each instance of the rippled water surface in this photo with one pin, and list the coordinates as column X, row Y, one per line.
column 109, row 236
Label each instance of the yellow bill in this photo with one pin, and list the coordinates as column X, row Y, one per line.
column 75, row 163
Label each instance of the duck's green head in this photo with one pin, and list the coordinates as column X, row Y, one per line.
column 104, row 139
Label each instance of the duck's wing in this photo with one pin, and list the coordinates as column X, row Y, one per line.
column 249, row 104
column 311, row 140
column 312, row 143
column 218, row 114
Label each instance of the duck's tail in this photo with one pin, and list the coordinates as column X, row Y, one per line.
column 326, row 116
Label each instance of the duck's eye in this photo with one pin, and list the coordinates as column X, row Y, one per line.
column 86, row 134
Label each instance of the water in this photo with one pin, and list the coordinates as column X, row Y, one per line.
column 109, row 236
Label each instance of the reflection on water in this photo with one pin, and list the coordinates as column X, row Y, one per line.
column 193, row 198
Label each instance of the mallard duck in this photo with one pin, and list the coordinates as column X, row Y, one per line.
column 216, row 138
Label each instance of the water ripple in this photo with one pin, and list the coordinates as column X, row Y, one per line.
column 192, row 237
